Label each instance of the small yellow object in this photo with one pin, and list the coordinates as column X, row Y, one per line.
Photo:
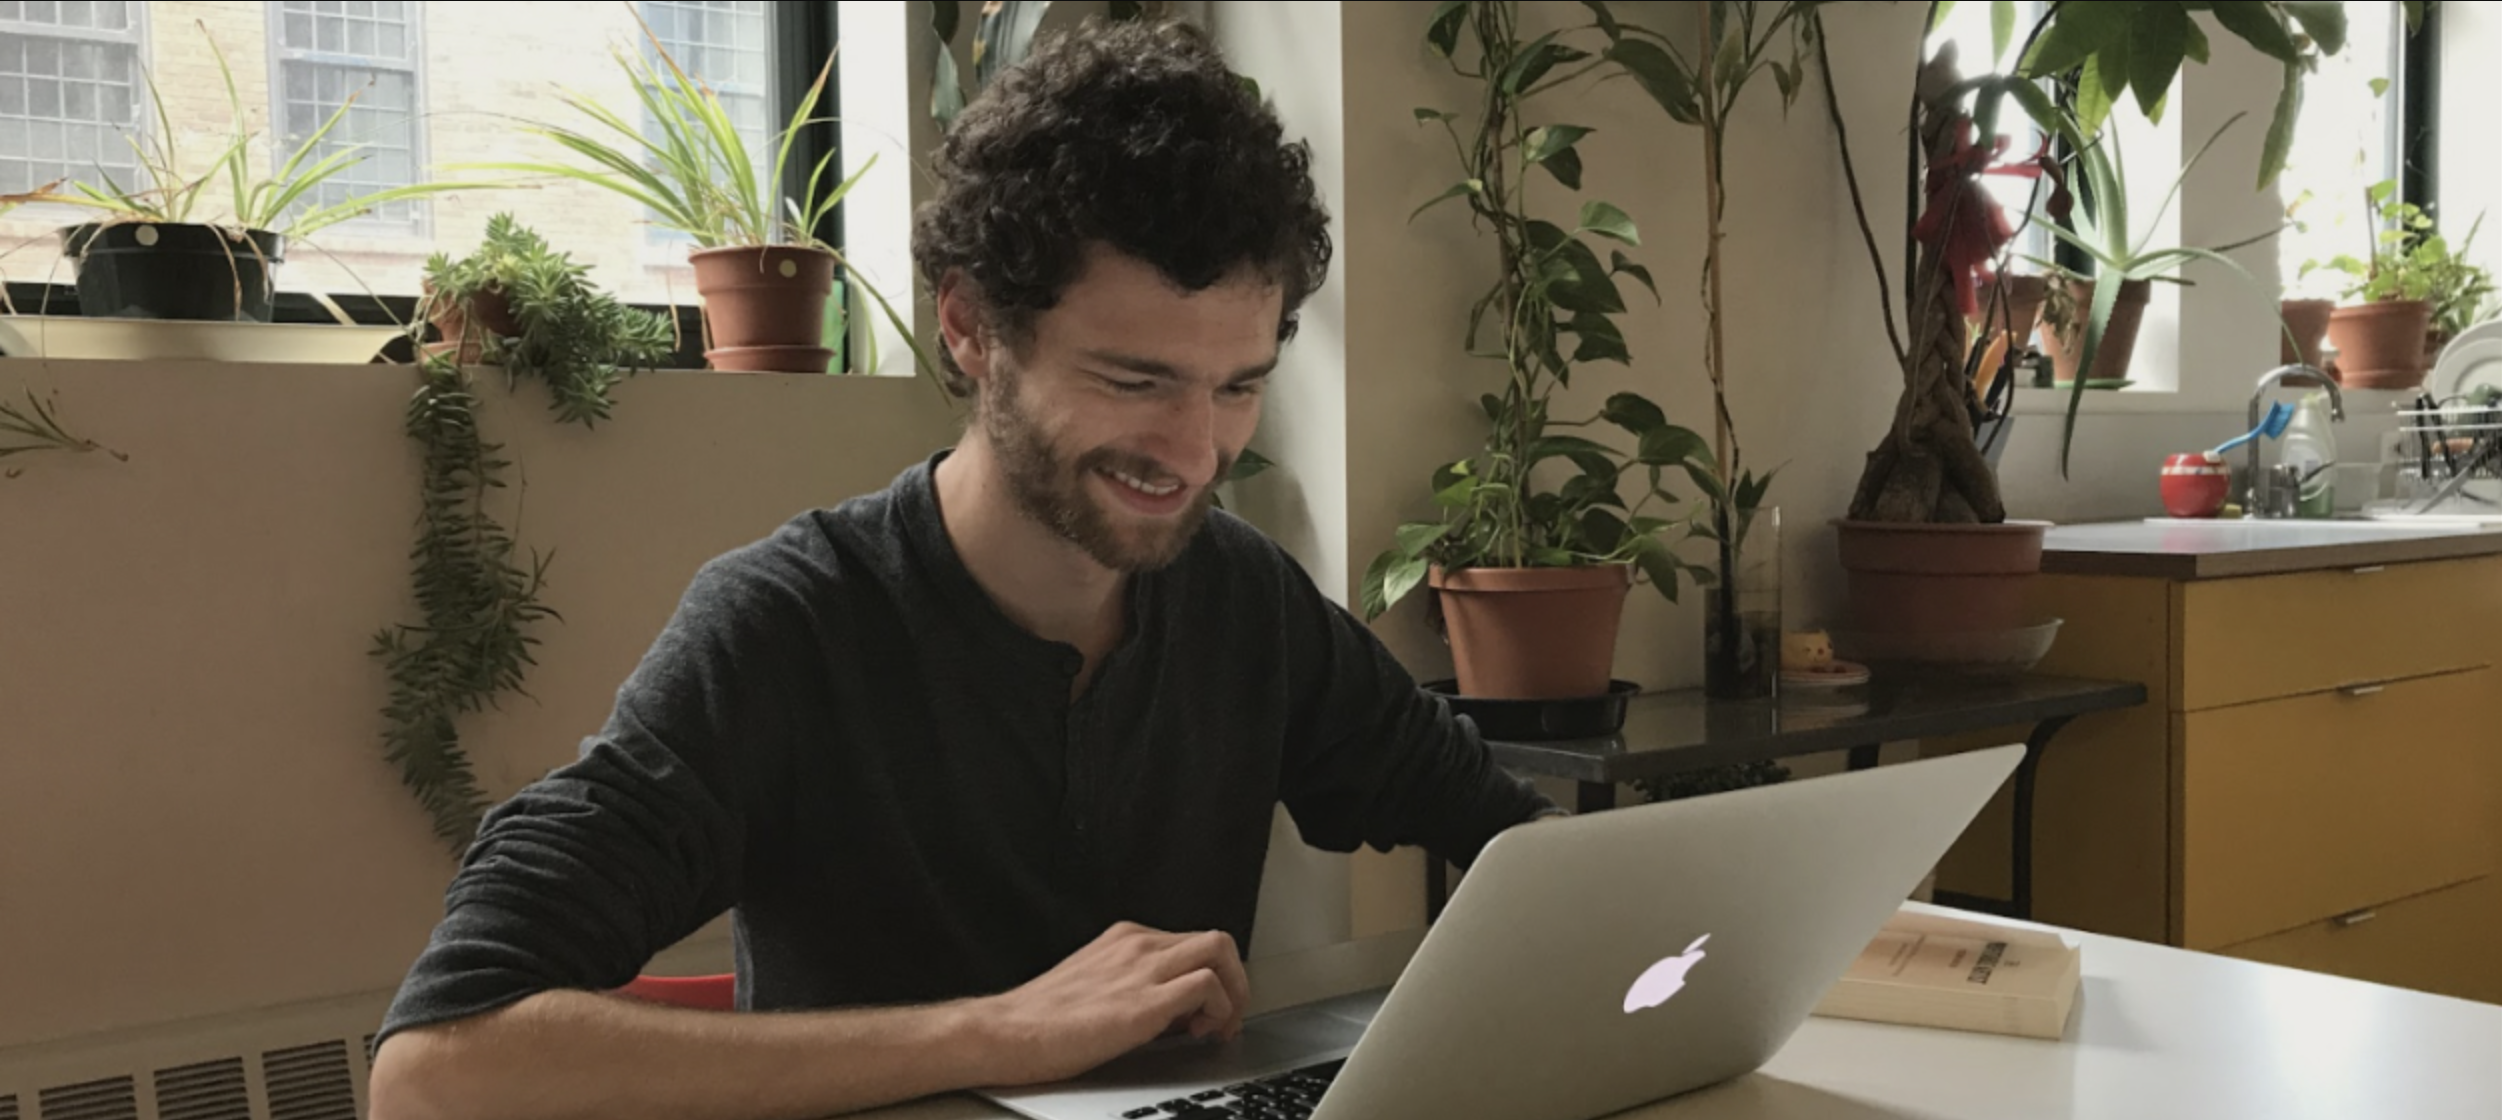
column 1806, row 650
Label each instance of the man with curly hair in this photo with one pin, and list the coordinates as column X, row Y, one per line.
column 983, row 764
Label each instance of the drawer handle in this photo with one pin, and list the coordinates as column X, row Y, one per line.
column 2359, row 691
column 2349, row 921
column 2375, row 569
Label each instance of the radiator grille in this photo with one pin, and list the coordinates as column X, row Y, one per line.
column 310, row 1083
column 208, row 1091
column 117, row 1099
column 8, row 1108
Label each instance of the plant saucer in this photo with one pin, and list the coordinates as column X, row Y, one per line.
column 1837, row 674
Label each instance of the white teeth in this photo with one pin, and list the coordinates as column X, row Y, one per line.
column 1140, row 485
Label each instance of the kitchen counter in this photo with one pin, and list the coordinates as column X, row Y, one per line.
column 2194, row 550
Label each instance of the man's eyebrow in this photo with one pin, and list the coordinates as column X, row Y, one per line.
column 1149, row 367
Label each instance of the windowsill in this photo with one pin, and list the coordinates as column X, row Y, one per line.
column 2126, row 402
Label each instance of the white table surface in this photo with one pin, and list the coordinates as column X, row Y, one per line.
column 2158, row 1033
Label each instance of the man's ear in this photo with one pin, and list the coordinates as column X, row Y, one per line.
column 961, row 328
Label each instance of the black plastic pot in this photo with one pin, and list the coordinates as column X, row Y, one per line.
column 146, row 270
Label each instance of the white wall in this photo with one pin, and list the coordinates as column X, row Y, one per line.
column 2471, row 91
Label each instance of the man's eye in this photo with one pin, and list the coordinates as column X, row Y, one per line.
column 1246, row 389
column 1122, row 386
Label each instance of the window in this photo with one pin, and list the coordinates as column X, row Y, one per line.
column 1968, row 27
column 70, row 92
column 727, row 44
column 329, row 51
column 2347, row 140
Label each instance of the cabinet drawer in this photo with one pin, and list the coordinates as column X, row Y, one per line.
column 2440, row 943
column 2272, row 636
column 2294, row 811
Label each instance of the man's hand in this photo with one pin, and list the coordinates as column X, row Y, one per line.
column 1130, row 987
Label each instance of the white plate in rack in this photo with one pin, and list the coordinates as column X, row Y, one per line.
column 156, row 340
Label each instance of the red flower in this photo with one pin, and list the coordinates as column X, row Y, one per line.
column 1962, row 224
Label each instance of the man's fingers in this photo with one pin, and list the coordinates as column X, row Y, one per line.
column 1199, row 997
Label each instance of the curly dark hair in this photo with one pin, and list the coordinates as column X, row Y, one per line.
column 1135, row 135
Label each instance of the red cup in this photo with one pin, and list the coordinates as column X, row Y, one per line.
column 2196, row 484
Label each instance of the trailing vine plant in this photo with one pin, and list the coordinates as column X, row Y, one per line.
column 37, row 427
column 477, row 597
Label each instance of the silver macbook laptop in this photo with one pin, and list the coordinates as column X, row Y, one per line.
column 1586, row 965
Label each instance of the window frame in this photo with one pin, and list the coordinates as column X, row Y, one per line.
column 140, row 39
column 805, row 35
column 420, row 226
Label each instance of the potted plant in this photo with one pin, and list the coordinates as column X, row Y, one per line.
column 148, row 259
column 2400, row 302
column 1927, row 544
column 762, row 268
column 1531, row 567
column 517, row 303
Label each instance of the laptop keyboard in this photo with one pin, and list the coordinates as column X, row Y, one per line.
column 1286, row 1096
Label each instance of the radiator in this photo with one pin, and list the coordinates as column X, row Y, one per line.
column 299, row 1063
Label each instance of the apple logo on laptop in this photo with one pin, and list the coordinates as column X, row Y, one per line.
column 1664, row 980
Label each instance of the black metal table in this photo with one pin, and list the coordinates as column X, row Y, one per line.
column 1675, row 732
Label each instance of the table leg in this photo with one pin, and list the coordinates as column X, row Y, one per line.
column 1437, row 886
column 1597, row 797
column 2025, row 774
column 1865, row 758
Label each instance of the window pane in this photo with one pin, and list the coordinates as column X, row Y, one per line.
column 69, row 103
column 2345, row 141
column 72, row 101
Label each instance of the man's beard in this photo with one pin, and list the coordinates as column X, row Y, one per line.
column 1053, row 489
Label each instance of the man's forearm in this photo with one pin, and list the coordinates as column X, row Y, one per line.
column 576, row 1054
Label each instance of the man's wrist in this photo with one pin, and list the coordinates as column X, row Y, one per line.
column 967, row 1035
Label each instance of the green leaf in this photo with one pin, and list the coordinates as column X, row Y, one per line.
column 1557, row 447
column 1938, row 14
column 1669, row 445
column 1659, row 75
column 1591, row 288
column 1587, row 490
column 2280, row 129
column 1403, row 578
column 1443, row 28
column 1493, row 406
column 2002, row 26
column 1605, row 220
column 2098, row 319
column 1634, row 413
column 1706, row 478
column 1602, row 532
column 2323, row 20
column 2255, row 22
column 1535, row 60
column 2157, row 42
column 1457, row 190
column 1376, row 594
column 2037, row 104
column 1661, row 565
column 1415, row 538
column 1457, row 495
column 1566, row 167
column 2380, row 87
column 2100, row 86
column 1624, row 266
column 1606, row 19
column 2077, row 32
column 1601, row 341
column 1545, row 143
column 2414, row 10
column 2199, row 49
column 1424, row 114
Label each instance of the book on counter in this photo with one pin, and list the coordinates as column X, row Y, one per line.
column 1928, row 970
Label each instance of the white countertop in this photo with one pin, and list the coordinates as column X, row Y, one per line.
column 2159, row 1034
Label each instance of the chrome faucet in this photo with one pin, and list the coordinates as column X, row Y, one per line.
column 2261, row 486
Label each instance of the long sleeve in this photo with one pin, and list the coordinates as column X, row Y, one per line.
column 1374, row 759
column 578, row 879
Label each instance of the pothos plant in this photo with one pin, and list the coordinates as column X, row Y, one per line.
column 1550, row 489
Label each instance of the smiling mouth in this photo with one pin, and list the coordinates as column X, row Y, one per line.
column 1152, row 490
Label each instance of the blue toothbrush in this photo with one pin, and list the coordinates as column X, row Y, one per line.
column 2279, row 415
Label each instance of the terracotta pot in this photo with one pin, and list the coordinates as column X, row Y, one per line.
column 1533, row 633
column 1937, row 579
column 2119, row 339
column 494, row 312
column 2307, row 321
column 768, row 296
column 2381, row 345
column 2024, row 297
column 772, row 359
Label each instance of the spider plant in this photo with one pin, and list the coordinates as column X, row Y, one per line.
column 695, row 175
column 172, row 197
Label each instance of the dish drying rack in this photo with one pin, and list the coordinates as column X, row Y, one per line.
column 2448, row 463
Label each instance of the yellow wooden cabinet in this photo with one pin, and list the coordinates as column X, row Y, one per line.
column 2315, row 779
